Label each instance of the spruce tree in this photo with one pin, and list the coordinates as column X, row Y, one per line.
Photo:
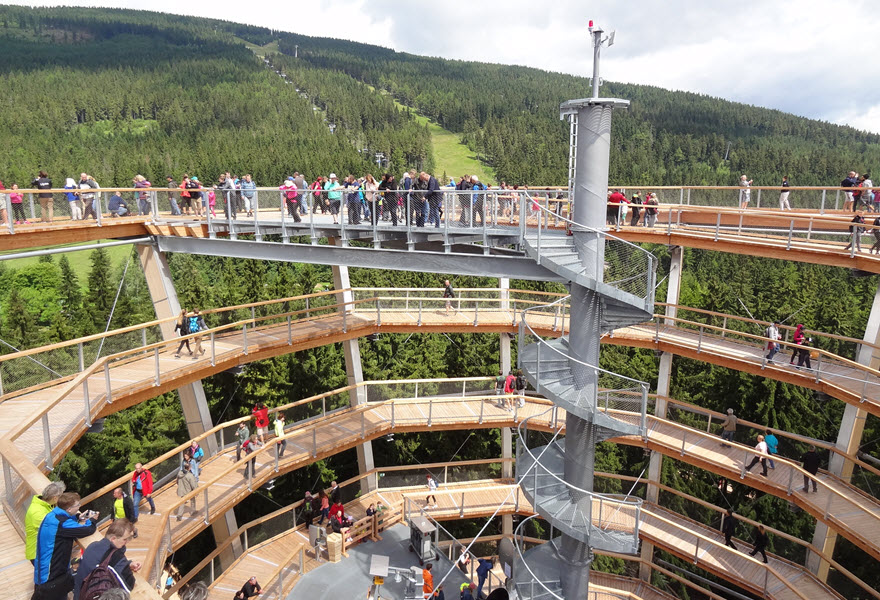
column 99, row 298
column 70, row 291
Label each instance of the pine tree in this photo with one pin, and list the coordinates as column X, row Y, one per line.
column 99, row 298
column 71, row 293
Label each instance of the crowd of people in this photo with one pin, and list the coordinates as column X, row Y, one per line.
column 766, row 447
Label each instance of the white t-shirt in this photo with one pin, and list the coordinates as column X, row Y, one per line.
column 761, row 447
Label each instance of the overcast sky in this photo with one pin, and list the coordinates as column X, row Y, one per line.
column 810, row 57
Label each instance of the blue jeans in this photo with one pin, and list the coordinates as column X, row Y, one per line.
column 137, row 502
column 434, row 213
column 726, row 436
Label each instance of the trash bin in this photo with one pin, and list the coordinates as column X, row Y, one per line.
column 334, row 547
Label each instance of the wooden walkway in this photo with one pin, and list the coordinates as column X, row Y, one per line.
column 667, row 530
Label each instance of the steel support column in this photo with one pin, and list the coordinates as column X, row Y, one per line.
column 354, row 373
column 849, row 438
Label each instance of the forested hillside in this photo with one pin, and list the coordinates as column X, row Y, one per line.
column 118, row 92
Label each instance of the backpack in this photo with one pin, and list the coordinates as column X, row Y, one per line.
column 102, row 578
column 520, row 382
column 194, row 325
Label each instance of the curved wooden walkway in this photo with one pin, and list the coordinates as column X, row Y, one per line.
column 676, row 534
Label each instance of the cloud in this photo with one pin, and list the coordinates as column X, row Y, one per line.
column 808, row 57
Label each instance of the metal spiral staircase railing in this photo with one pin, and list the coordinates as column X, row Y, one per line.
column 616, row 281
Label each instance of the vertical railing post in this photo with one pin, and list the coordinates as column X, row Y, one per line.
column 314, row 442
column 207, row 504
column 430, row 410
column 107, row 394
column 213, row 349
column 156, row 360
column 822, row 206
column 47, row 439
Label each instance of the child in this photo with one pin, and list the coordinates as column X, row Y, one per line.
column 212, row 200
column 15, row 198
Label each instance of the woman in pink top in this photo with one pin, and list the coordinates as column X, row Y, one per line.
column 17, row 209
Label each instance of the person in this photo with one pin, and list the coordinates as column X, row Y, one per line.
column 249, row 447
column 371, row 196
column 198, row 453
column 804, row 355
column 728, row 527
column 335, row 493
column 772, row 335
column 242, row 434
column 449, row 294
column 248, row 194
column 42, row 182
column 185, row 199
column 760, row 543
column 483, row 567
column 251, row 588
column 337, row 521
column 123, row 508
column 875, row 231
column 226, row 188
column 64, row 524
column 615, row 200
column 635, row 210
column 195, row 194
column 745, row 194
column 117, row 206
column 143, row 198
column 182, row 326
column 469, row 593
column 300, row 182
column 320, row 199
column 334, row 196
column 798, row 339
column 866, row 196
column 142, row 487
column 325, row 506
column 212, row 202
column 91, row 206
column 428, row 581
column 371, row 510
column 186, row 483
column 40, row 506
column 390, row 198
column 856, row 233
column 432, row 487
column 464, row 559
column 478, row 200
column 810, row 460
column 118, row 534
column 187, row 458
column 728, row 428
column 261, row 420
column 16, row 199
column 196, row 324
column 72, row 199
column 772, row 446
column 783, row 195
column 651, row 210
column 281, row 444
column 307, row 514
column 291, row 198
column 850, row 181
column 434, row 198
column 499, row 386
column 172, row 199
column 352, row 199
column 464, row 201
column 520, row 384
column 760, row 455
column 509, row 390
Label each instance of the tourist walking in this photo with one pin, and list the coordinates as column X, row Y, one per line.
column 728, row 428
column 773, row 337
column 182, row 326
column 142, row 488
column 761, row 541
column 760, row 455
column 728, row 527
column 745, row 194
column 448, row 294
column 432, row 488
column 810, row 460
column 783, row 195
column 772, row 447
column 242, row 435
column 186, row 483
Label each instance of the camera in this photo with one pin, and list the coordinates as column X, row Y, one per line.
column 86, row 515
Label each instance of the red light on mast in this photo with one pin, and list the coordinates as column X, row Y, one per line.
column 591, row 22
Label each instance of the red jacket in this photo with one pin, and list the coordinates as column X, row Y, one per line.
column 146, row 481
column 261, row 416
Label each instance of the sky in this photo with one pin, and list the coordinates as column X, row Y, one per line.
column 809, row 57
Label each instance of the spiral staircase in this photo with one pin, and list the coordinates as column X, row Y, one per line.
column 612, row 286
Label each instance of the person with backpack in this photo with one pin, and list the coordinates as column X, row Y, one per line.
column 182, row 326
column 261, row 420
column 772, row 335
column 195, row 324
column 478, row 200
column 499, row 387
column 249, row 447
column 104, row 565
column 520, row 388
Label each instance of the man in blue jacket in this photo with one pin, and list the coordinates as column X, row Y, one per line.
column 483, row 568
column 63, row 525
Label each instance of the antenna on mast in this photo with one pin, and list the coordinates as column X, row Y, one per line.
column 596, row 33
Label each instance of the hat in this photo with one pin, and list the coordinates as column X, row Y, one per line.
column 194, row 178
column 332, row 175
column 70, row 181
column 290, row 179
column 475, row 178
